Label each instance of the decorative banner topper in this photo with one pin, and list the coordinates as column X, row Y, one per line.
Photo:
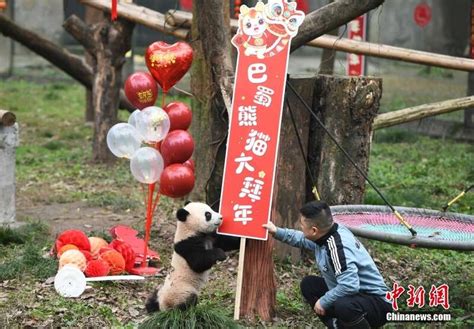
column 263, row 43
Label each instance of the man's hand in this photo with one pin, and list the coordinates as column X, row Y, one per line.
column 270, row 227
column 318, row 309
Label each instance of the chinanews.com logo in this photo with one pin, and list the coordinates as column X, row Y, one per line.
column 437, row 296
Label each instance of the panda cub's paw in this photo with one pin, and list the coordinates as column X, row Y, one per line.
column 220, row 254
column 152, row 304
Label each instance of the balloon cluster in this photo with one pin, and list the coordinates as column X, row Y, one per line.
column 156, row 139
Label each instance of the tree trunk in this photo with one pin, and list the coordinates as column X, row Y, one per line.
column 107, row 43
column 291, row 168
column 211, row 83
column 112, row 40
column 330, row 17
column 91, row 16
column 347, row 107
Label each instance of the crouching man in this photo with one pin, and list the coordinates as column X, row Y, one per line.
column 350, row 293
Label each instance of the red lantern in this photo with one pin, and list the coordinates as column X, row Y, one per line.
column 177, row 147
column 168, row 63
column 141, row 90
column 180, row 115
column 190, row 164
column 176, row 181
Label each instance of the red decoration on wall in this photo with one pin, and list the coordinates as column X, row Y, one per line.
column 422, row 14
column 113, row 12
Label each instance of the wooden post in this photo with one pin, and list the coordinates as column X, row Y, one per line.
column 258, row 286
column 240, row 278
column 347, row 107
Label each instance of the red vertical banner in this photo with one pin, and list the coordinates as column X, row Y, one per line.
column 357, row 31
column 263, row 44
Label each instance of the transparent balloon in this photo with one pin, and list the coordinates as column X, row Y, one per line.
column 133, row 120
column 147, row 165
column 123, row 140
column 153, row 124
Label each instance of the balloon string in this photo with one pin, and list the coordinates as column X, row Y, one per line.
column 149, row 217
column 144, row 194
column 157, row 199
column 163, row 100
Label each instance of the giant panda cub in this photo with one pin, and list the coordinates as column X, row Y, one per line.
column 197, row 248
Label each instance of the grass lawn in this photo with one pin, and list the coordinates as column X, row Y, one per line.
column 53, row 167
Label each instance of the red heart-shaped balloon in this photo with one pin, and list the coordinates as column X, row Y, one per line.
column 180, row 115
column 177, row 147
column 141, row 90
column 176, row 181
column 168, row 63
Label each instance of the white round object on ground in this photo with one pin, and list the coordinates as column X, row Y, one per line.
column 70, row 282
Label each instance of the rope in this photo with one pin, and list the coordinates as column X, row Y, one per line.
column 305, row 158
column 308, row 108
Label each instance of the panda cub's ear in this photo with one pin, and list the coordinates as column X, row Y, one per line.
column 182, row 214
column 187, row 202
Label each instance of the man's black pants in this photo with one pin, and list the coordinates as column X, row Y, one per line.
column 347, row 310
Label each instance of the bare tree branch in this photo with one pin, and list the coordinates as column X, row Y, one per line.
column 329, row 17
column 71, row 64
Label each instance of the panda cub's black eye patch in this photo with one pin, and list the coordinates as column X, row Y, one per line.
column 208, row 215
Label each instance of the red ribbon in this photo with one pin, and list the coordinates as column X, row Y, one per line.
column 114, row 10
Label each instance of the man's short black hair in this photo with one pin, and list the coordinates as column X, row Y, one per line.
column 318, row 214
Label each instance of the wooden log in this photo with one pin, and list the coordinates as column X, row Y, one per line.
column 72, row 65
column 390, row 52
column 141, row 15
column 422, row 111
column 347, row 107
column 7, row 118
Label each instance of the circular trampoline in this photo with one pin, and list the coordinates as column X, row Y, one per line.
column 435, row 229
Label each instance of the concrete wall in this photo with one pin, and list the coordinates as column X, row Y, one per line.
column 447, row 33
column 6, row 48
column 43, row 17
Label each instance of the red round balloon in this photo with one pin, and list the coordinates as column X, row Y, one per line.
column 141, row 90
column 177, row 147
column 189, row 163
column 176, row 181
column 168, row 63
column 180, row 115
